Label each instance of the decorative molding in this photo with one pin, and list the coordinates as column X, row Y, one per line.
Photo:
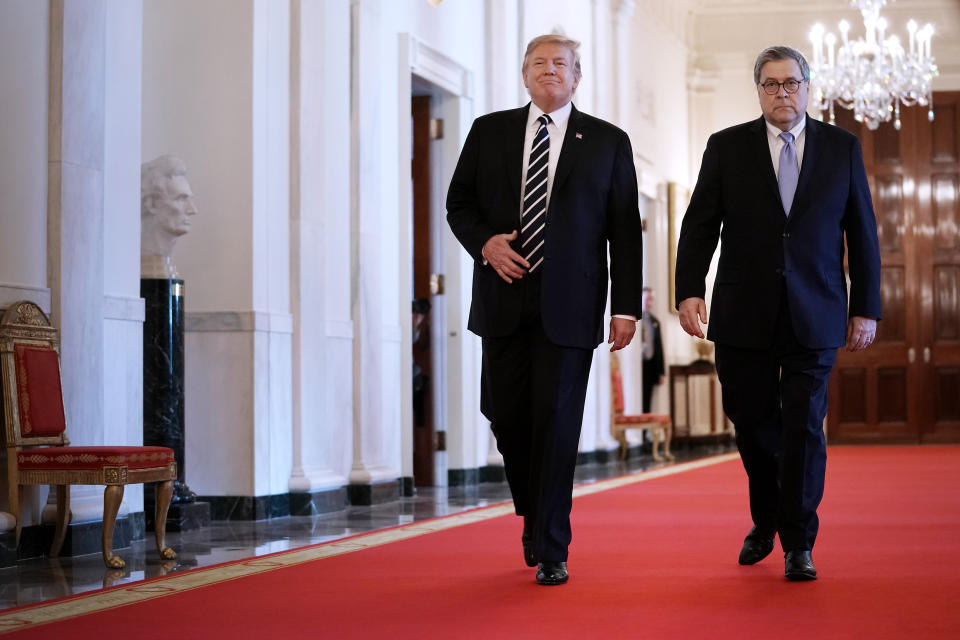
column 671, row 14
column 238, row 321
column 123, row 308
column 10, row 293
column 739, row 7
column 429, row 64
column 339, row 329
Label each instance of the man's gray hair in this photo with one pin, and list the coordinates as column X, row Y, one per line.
column 155, row 175
column 780, row 52
column 555, row 38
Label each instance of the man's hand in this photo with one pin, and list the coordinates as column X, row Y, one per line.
column 861, row 333
column 621, row 332
column 505, row 261
column 692, row 312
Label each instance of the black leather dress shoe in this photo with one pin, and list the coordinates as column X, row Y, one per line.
column 756, row 547
column 552, row 573
column 526, row 539
column 799, row 566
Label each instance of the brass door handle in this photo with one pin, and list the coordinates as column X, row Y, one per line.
column 911, row 355
column 926, row 354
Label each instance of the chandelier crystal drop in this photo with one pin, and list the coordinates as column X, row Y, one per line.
column 874, row 75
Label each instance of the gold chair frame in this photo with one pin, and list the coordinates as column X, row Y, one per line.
column 25, row 323
column 660, row 426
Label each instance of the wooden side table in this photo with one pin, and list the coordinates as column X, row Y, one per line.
column 718, row 423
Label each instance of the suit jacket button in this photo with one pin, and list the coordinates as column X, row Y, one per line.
column 786, row 235
column 779, row 272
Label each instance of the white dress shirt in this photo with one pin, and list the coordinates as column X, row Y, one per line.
column 776, row 143
column 557, row 129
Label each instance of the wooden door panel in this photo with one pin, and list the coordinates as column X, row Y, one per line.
column 892, row 395
column 938, row 177
column 893, row 328
column 946, row 225
column 871, row 391
column 946, row 310
column 944, row 131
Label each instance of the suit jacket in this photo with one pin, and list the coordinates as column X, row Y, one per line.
column 764, row 252
column 654, row 367
column 593, row 204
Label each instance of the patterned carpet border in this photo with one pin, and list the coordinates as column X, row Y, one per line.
column 102, row 600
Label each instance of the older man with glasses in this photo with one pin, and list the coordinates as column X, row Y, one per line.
column 783, row 193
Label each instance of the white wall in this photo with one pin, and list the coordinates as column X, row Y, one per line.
column 24, row 50
column 216, row 94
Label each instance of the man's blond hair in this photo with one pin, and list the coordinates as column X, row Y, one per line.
column 555, row 38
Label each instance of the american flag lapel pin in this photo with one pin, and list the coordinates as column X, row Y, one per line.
column 579, row 136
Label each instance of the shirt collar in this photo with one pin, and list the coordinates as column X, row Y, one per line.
column 774, row 131
column 559, row 117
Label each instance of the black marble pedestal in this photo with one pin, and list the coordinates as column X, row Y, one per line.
column 163, row 392
column 8, row 549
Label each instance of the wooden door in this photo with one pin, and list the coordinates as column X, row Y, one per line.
column 906, row 387
column 423, row 422
column 938, row 351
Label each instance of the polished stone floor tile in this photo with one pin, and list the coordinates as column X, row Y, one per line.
column 43, row 579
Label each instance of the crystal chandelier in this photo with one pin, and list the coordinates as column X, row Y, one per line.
column 872, row 76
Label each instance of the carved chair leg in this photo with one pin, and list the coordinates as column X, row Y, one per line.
column 620, row 435
column 13, row 492
column 112, row 497
column 164, row 495
column 655, row 443
column 63, row 518
column 668, row 436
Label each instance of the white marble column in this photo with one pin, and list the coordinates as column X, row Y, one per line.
column 123, row 311
column 622, row 15
column 369, row 313
column 319, row 244
column 603, row 60
column 75, row 232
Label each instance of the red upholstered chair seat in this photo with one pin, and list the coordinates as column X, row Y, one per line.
column 93, row 458
column 643, row 418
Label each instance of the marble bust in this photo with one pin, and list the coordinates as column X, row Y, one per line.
column 166, row 209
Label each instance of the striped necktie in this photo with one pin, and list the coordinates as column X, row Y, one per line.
column 789, row 173
column 533, row 219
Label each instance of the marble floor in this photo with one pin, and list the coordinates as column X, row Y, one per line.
column 42, row 579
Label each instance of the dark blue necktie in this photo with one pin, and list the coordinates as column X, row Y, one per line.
column 534, row 217
column 789, row 171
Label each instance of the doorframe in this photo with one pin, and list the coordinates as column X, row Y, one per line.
column 454, row 104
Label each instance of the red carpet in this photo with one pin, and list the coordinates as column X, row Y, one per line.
column 655, row 559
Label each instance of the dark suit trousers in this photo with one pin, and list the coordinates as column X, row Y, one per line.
column 777, row 399
column 533, row 393
column 650, row 379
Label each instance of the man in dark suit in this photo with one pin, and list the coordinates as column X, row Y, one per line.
column 651, row 351
column 782, row 193
column 538, row 195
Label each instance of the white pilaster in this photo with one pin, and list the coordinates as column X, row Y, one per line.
column 368, row 311
column 319, row 244
column 75, row 217
column 622, row 15
column 123, row 311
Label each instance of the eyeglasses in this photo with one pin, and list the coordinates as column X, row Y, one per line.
column 772, row 87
